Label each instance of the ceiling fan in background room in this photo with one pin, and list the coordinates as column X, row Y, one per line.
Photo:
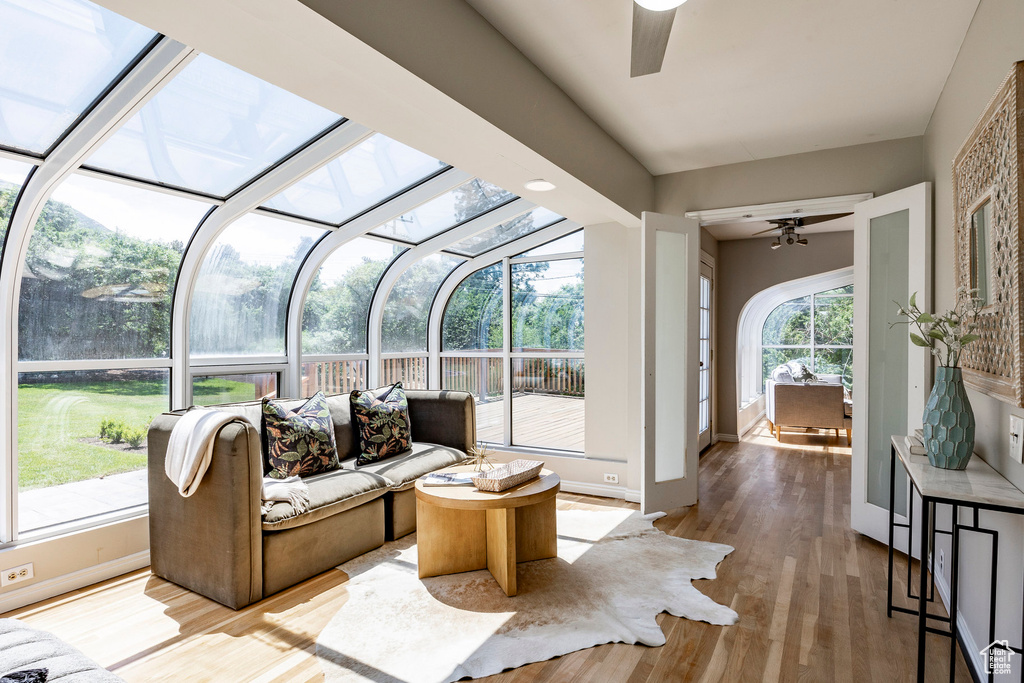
column 652, row 24
column 787, row 228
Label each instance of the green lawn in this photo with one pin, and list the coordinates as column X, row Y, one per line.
column 54, row 418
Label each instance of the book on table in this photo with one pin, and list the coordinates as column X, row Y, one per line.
column 449, row 478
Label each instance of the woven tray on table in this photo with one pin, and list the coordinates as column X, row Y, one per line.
column 507, row 476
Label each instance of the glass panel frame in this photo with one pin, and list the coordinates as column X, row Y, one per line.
column 520, row 226
column 231, row 387
column 453, row 208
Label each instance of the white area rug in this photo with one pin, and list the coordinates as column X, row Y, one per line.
column 614, row 573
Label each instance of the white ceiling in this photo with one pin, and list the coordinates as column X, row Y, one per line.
column 746, row 79
column 746, row 229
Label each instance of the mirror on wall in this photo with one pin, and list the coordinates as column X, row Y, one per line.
column 981, row 222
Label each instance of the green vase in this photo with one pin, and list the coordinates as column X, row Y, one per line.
column 949, row 421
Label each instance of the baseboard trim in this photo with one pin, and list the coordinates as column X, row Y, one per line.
column 731, row 438
column 750, row 425
column 968, row 646
column 68, row 582
column 601, row 490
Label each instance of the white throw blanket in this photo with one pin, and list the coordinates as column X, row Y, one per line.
column 291, row 490
column 190, row 447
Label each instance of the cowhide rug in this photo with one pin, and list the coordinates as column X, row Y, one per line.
column 614, row 573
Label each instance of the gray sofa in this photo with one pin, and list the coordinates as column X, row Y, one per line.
column 218, row 544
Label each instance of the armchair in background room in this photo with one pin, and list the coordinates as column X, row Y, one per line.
column 815, row 405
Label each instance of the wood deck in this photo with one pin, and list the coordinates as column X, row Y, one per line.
column 539, row 420
column 809, row 590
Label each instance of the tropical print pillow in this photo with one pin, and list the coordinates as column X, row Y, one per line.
column 382, row 417
column 301, row 441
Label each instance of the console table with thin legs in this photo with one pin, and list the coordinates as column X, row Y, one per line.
column 979, row 487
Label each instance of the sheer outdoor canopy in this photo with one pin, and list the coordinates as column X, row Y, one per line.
column 176, row 231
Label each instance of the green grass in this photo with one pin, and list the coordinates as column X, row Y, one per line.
column 54, row 418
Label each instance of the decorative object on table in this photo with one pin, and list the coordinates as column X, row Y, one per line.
column 507, row 476
column 382, row 416
column 448, row 478
column 444, row 628
column 948, row 418
column 986, row 219
column 915, row 445
column 481, row 457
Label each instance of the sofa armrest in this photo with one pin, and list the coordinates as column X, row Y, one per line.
column 447, row 418
column 210, row 542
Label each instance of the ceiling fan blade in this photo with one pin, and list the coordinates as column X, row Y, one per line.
column 811, row 220
column 650, row 38
column 768, row 230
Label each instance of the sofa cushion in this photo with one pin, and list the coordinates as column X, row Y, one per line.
column 402, row 471
column 329, row 494
column 382, row 418
column 298, row 441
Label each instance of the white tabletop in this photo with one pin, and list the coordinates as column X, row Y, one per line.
column 979, row 483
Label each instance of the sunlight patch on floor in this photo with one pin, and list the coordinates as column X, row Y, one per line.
column 795, row 438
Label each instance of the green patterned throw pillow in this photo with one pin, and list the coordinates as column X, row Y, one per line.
column 301, row 441
column 382, row 417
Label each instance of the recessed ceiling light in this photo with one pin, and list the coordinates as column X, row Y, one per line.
column 539, row 185
column 659, row 5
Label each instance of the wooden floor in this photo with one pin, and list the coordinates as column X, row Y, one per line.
column 810, row 593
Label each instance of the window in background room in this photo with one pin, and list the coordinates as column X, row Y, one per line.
column 404, row 323
column 816, row 329
column 208, row 390
column 471, row 345
column 240, row 300
column 100, row 272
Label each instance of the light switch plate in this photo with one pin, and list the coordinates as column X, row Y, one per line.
column 1017, row 438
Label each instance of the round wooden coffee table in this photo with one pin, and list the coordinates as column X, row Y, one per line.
column 461, row 529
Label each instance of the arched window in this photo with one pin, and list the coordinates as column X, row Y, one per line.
column 806, row 319
column 816, row 329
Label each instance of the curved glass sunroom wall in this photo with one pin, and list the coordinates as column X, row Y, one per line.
column 150, row 280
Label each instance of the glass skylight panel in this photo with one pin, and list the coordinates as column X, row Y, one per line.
column 100, row 271
column 240, row 300
column 464, row 203
column 506, row 232
column 374, row 170
column 12, row 176
column 211, row 129
column 337, row 305
column 571, row 243
column 56, row 58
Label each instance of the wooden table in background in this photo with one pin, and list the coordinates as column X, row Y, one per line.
column 461, row 529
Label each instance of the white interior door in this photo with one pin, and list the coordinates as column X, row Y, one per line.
column 704, row 411
column 670, row 331
column 892, row 259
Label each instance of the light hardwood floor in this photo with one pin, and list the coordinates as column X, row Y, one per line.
column 810, row 593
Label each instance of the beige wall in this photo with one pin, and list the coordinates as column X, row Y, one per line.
column 991, row 46
column 745, row 267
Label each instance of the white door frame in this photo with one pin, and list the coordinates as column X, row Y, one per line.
column 867, row 518
column 669, row 361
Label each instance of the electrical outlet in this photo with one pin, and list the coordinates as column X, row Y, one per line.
column 1017, row 438
column 942, row 561
column 611, row 478
column 17, row 574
